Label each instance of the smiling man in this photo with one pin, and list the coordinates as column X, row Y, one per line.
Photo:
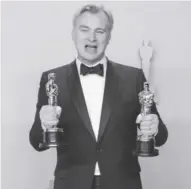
column 98, row 109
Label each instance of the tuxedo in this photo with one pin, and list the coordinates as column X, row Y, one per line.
column 113, row 149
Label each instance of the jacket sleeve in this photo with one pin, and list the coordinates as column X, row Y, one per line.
column 162, row 134
column 36, row 132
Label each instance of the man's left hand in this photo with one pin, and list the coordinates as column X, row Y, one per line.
column 148, row 124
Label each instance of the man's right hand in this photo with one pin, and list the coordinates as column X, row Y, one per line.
column 49, row 116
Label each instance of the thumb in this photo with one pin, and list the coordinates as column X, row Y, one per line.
column 58, row 110
column 139, row 119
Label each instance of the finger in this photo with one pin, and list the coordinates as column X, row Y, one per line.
column 154, row 128
column 145, row 128
column 49, row 123
column 147, row 132
column 152, row 118
column 146, row 123
column 156, row 120
column 139, row 119
column 43, row 127
column 49, row 117
column 47, row 110
column 148, row 117
column 58, row 111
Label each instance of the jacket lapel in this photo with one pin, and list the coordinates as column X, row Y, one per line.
column 109, row 99
column 78, row 97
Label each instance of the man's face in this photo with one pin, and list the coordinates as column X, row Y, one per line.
column 91, row 36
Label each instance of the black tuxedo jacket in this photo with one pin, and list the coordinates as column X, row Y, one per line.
column 117, row 135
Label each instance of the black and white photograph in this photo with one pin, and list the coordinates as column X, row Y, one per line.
column 95, row 94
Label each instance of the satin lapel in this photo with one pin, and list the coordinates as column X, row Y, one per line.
column 78, row 97
column 109, row 99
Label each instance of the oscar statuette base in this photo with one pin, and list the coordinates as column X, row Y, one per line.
column 52, row 138
column 146, row 148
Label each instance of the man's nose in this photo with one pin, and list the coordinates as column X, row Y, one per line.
column 92, row 36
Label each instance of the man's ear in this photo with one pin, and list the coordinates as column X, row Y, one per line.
column 109, row 37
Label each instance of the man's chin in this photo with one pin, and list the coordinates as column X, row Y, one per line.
column 92, row 58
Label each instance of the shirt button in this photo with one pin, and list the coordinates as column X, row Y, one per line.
column 99, row 150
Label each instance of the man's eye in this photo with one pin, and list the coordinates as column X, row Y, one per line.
column 83, row 29
column 100, row 32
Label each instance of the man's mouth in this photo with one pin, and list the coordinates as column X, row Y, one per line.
column 91, row 48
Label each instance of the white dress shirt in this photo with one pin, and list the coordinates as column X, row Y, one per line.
column 93, row 86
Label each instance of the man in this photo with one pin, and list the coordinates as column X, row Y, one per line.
column 99, row 112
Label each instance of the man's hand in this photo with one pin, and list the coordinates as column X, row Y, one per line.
column 49, row 116
column 148, row 124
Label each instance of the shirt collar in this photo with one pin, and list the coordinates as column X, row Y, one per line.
column 102, row 61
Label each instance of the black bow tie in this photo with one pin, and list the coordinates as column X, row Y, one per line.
column 98, row 69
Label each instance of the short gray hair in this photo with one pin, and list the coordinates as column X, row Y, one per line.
column 94, row 9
